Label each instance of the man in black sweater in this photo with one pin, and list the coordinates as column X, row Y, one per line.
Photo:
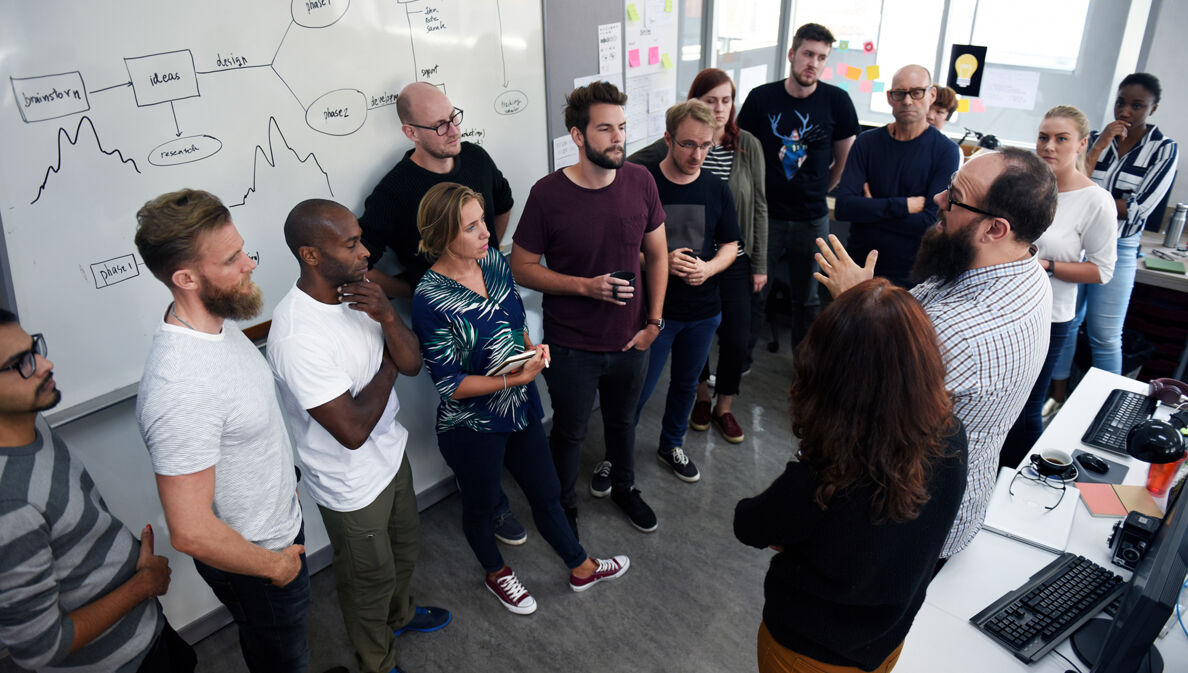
column 389, row 218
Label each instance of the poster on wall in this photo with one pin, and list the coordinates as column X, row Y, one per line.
column 966, row 65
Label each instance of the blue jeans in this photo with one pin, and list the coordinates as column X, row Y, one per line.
column 478, row 458
column 1030, row 424
column 270, row 619
column 690, row 345
column 1103, row 310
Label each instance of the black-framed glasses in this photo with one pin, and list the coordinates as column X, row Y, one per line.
column 26, row 363
column 444, row 127
column 1045, row 483
column 691, row 146
column 954, row 202
column 899, row 94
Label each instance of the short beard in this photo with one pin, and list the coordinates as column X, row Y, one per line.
column 943, row 255
column 232, row 304
column 443, row 155
column 801, row 82
column 52, row 403
column 602, row 160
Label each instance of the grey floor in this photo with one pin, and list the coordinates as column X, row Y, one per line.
column 690, row 602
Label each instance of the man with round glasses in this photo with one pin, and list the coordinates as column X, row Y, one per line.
column 891, row 173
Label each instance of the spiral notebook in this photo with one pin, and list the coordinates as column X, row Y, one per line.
column 1024, row 516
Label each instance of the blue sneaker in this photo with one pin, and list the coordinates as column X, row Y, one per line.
column 508, row 530
column 426, row 620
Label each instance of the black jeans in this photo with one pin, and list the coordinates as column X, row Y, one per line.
column 734, row 334
column 270, row 619
column 574, row 376
column 169, row 654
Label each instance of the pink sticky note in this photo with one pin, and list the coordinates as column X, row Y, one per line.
column 865, row 86
column 653, row 55
column 841, row 69
column 827, row 73
column 976, row 105
column 633, row 58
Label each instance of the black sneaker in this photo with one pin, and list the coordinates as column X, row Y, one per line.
column 632, row 504
column 508, row 529
column 571, row 516
column 682, row 467
column 600, row 483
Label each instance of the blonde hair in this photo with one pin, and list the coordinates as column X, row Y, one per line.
column 439, row 217
column 686, row 109
column 1078, row 118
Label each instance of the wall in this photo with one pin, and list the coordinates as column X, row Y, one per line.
column 1165, row 59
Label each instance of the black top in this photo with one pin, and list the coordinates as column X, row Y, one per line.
column 389, row 217
column 699, row 216
column 797, row 135
column 845, row 591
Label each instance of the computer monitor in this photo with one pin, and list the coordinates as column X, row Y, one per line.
column 1122, row 645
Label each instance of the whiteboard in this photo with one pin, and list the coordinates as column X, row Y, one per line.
column 263, row 103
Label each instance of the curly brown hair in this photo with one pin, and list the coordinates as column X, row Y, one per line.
column 869, row 404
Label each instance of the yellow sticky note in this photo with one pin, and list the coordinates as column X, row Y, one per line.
column 668, row 6
column 666, row 62
column 963, row 105
column 632, row 13
column 872, row 72
column 854, row 73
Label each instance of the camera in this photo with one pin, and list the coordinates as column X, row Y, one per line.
column 1130, row 539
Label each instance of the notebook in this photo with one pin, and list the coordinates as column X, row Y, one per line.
column 1163, row 265
column 1023, row 516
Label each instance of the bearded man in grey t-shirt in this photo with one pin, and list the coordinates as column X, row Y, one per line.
column 207, row 399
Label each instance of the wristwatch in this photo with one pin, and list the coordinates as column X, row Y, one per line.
column 1051, row 267
column 659, row 323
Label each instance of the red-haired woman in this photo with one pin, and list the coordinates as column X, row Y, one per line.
column 737, row 158
column 860, row 519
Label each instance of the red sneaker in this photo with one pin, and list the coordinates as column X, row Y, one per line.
column 730, row 429
column 608, row 569
column 507, row 588
column 699, row 420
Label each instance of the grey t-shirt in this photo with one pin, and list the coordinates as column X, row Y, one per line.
column 208, row 400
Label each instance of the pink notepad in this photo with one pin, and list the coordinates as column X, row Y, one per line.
column 1101, row 499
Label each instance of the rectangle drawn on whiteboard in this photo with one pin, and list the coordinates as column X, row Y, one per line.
column 50, row 96
column 160, row 78
column 114, row 270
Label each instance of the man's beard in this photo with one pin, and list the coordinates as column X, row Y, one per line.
column 802, row 82
column 443, row 154
column 601, row 160
column 233, row 304
column 944, row 255
column 53, row 402
column 337, row 273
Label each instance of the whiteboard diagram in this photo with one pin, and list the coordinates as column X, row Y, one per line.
column 262, row 103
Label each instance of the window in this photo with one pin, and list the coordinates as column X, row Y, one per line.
column 1031, row 33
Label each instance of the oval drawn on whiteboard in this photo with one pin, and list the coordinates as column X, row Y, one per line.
column 184, row 150
column 510, row 102
column 318, row 13
column 338, row 113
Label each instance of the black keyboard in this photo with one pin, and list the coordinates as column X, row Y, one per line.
column 1122, row 410
column 1056, row 601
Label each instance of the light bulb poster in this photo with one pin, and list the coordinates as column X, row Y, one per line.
column 966, row 64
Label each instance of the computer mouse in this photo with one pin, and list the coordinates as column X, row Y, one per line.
column 1093, row 463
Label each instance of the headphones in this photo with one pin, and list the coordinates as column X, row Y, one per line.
column 1168, row 391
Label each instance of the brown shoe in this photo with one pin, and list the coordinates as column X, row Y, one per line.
column 699, row 420
column 729, row 427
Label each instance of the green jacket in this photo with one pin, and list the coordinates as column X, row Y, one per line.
column 747, row 186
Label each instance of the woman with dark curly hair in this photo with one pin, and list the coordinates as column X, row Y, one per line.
column 859, row 519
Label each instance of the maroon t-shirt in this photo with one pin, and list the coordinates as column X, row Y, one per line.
column 589, row 232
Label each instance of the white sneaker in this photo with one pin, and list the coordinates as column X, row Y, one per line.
column 1051, row 407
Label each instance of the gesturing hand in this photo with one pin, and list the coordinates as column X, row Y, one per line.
column 154, row 570
column 838, row 271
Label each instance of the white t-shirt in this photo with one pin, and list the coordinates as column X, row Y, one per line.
column 317, row 352
column 209, row 400
column 1085, row 227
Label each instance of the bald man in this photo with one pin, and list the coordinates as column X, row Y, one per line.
column 439, row 154
column 336, row 347
column 891, row 174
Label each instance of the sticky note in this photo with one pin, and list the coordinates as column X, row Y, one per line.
column 877, row 87
column 827, row 73
column 653, row 55
column 632, row 13
column 843, row 45
column 843, row 85
column 668, row 6
column 963, row 105
column 865, row 86
column 976, row 105
column 872, row 72
column 868, row 47
column 633, row 58
column 666, row 62
column 854, row 73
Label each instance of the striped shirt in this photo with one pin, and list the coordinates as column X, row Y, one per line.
column 1141, row 177
column 718, row 162
column 993, row 324
column 61, row 549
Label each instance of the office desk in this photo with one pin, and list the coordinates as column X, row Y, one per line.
column 943, row 639
column 1172, row 281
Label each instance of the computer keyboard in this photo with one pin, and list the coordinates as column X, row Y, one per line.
column 1122, row 410
column 1056, row 601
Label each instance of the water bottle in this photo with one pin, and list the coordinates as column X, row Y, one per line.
column 1176, row 227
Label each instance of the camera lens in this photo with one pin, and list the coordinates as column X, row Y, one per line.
column 1130, row 554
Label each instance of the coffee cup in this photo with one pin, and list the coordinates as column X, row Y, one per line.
column 628, row 276
column 1052, row 462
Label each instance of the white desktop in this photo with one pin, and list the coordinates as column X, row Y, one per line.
column 942, row 637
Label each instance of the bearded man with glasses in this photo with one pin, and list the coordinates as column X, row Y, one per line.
column 890, row 174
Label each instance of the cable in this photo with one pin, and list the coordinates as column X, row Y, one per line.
column 1070, row 663
column 1179, row 616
